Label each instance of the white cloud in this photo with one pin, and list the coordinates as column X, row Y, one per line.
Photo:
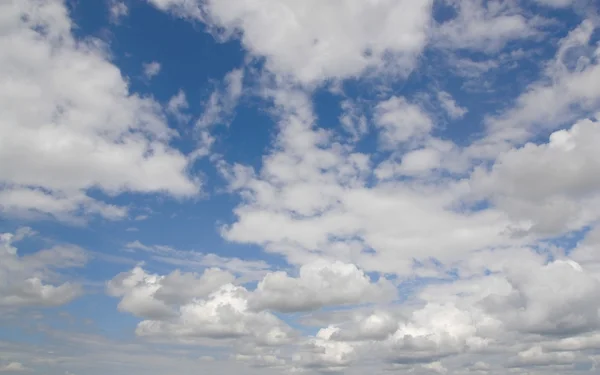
column 345, row 40
column 552, row 185
column 246, row 270
column 484, row 25
column 151, row 69
column 182, row 8
column 449, row 104
column 117, row 10
column 177, row 106
column 14, row 367
column 535, row 356
column 312, row 199
column 154, row 296
column 568, row 88
column 400, row 122
column 88, row 130
column 224, row 314
column 24, row 280
column 318, row 285
column 222, row 101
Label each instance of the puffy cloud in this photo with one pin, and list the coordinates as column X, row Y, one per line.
column 155, row 296
column 224, row 314
column 317, row 285
column 344, row 40
column 401, row 121
column 313, row 198
column 553, row 185
column 88, row 130
column 376, row 326
column 188, row 307
column 25, row 280
column 567, row 89
column 560, row 298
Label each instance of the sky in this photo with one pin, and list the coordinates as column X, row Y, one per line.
column 300, row 187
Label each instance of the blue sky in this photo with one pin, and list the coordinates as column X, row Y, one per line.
column 277, row 187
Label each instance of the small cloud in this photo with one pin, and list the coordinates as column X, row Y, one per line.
column 151, row 69
column 177, row 106
column 137, row 245
column 449, row 104
column 132, row 229
column 141, row 217
column 14, row 367
column 118, row 10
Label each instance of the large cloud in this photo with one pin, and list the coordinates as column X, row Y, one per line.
column 71, row 122
column 311, row 41
column 319, row 284
column 552, row 185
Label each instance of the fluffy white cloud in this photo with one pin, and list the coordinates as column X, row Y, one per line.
column 224, row 314
column 319, row 284
column 313, row 40
column 400, row 122
column 188, row 307
column 25, row 280
column 314, row 198
column 552, row 185
column 155, row 296
column 87, row 129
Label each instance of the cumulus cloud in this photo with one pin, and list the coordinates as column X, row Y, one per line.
column 345, row 41
column 317, row 285
column 313, row 199
column 26, row 280
column 88, row 130
column 484, row 25
column 395, row 245
column 151, row 295
column 401, row 121
column 223, row 315
column 552, row 185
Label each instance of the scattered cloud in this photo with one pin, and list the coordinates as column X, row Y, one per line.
column 24, row 279
column 117, row 11
column 88, row 131
column 151, row 69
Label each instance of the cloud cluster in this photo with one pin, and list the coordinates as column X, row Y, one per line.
column 72, row 123
column 422, row 253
